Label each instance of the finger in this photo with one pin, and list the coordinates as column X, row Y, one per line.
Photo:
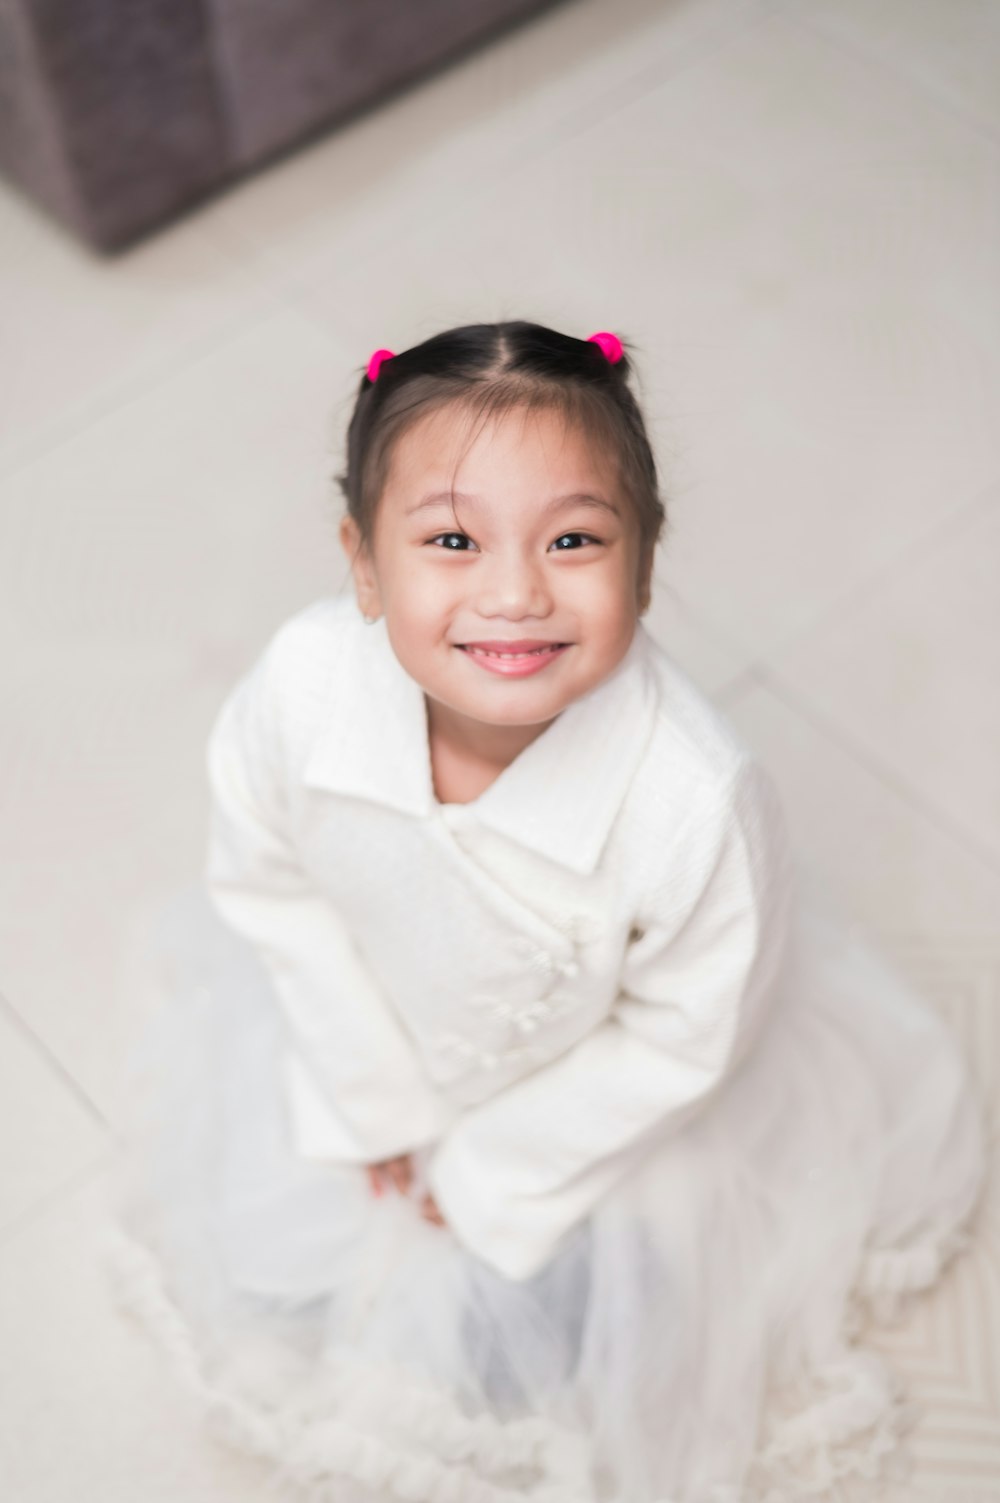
column 375, row 1179
column 401, row 1174
column 429, row 1210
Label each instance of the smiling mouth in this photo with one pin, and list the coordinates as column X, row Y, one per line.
column 524, row 652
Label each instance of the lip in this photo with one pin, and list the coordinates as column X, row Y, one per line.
column 512, row 644
column 533, row 654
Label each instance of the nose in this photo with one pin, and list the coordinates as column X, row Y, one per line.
column 513, row 585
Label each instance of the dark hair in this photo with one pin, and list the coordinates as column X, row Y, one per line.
column 492, row 369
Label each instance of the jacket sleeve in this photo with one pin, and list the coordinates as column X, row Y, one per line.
column 517, row 1172
column 355, row 1087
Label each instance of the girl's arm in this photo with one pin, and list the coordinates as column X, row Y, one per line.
column 349, row 1048
column 516, row 1173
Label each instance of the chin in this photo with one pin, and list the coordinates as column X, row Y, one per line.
column 520, row 712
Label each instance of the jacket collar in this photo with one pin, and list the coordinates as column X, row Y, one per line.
column 559, row 796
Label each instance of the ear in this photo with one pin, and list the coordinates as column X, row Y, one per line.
column 362, row 568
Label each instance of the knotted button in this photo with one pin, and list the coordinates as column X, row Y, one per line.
column 539, row 960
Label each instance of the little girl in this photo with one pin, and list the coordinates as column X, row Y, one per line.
column 515, row 1125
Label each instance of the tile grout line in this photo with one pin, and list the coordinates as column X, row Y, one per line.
column 964, row 516
column 761, row 675
column 716, row 636
column 11, row 1230
column 927, row 91
column 289, row 291
column 52, row 1061
column 138, row 386
column 635, row 85
column 649, row 77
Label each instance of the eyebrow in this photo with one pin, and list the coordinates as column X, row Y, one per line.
column 557, row 503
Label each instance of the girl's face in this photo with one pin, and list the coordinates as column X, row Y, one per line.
column 547, row 558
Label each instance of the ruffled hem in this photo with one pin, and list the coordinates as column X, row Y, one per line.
column 726, row 1283
column 840, row 1434
column 853, row 1429
column 892, row 1277
column 313, row 1450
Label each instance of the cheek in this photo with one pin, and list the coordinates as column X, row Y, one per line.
column 413, row 588
column 421, row 605
column 608, row 588
column 428, row 593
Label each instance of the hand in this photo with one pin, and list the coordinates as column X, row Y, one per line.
column 430, row 1210
column 387, row 1172
column 398, row 1172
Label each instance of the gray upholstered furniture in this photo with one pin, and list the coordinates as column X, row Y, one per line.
column 116, row 114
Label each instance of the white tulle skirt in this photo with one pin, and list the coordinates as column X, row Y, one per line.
column 699, row 1339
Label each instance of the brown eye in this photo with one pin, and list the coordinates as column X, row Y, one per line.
column 569, row 535
column 450, row 546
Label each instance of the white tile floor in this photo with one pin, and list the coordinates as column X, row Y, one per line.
column 794, row 211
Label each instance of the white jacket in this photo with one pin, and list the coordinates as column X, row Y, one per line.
column 537, row 983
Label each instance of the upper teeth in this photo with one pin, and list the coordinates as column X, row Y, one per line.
column 487, row 652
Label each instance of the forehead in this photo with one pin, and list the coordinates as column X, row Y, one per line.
column 538, row 446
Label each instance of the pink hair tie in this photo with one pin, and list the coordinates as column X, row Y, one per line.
column 375, row 363
column 609, row 343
